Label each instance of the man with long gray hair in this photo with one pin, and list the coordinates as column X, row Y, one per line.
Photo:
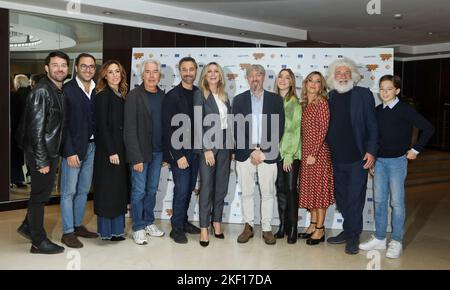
column 353, row 138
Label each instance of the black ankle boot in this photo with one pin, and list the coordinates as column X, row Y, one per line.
column 292, row 235
column 281, row 231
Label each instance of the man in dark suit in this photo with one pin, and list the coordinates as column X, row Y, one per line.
column 77, row 166
column 143, row 143
column 353, row 140
column 259, row 124
column 178, row 106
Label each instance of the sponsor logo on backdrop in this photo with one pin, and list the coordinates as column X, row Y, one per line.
column 386, row 56
column 299, row 55
column 272, row 56
column 163, row 55
column 328, row 56
column 284, row 66
column 216, row 55
column 231, row 76
column 370, row 56
column 387, row 67
column 243, row 55
column 371, row 67
column 138, row 55
column 203, row 55
column 284, row 56
column 177, row 55
column 258, row 55
column 244, row 66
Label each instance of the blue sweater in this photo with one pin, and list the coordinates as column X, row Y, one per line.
column 395, row 130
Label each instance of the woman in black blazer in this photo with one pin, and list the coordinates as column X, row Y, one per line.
column 216, row 141
column 110, row 171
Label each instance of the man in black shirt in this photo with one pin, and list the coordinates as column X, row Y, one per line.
column 353, row 138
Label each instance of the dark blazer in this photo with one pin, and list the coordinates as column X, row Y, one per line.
column 364, row 122
column 174, row 103
column 209, row 108
column 76, row 134
column 242, row 105
column 138, row 126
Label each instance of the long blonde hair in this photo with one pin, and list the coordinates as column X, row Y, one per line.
column 204, row 86
column 292, row 92
column 322, row 95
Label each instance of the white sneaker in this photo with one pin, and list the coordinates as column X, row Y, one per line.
column 394, row 250
column 373, row 244
column 153, row 231
column 140, row 238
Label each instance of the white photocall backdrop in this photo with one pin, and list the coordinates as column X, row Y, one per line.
column 372, row 63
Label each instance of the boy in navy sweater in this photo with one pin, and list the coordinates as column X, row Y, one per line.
column 395, row 123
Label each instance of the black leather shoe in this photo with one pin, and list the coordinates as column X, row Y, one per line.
column 292, row 236
column 281, row 231
column 339, row 239
column 351, row 248
column 219, row 236
column 178, row 236
column 24, row 231
column 46, row 247
column 204, row 243
column 190, row 228
column 117, row 239
column 313, row 242
column 306, row 235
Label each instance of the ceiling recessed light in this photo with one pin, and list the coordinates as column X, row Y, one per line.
column 107, row 12
column 430, row 33
column 398, row 16
column 182, row 24
column 242, row 34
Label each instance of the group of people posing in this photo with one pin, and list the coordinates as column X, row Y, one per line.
column 309, row 151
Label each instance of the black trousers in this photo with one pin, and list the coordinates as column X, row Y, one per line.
column 350, row 185
column 41, row 188
column 287, row 194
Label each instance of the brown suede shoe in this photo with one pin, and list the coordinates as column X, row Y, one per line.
column 71, row 241
column 269, row 238
column 246, row 234
column 81, row 231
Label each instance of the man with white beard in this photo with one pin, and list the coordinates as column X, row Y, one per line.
column 353, row 140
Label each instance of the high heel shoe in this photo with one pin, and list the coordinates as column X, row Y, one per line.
column 219, row 236
column 307, row 235
column 313, row 242
column 204, row 243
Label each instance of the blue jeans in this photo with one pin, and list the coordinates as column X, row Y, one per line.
column 390, row 174
column 75, row 185
column 108, row 228
column 144, row 186
column 184, row 181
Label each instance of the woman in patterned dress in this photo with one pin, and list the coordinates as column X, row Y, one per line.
column 316, row 176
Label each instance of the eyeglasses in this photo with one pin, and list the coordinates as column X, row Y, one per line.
column 84, row 67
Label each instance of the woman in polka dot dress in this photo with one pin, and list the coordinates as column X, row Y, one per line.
column 316, row 177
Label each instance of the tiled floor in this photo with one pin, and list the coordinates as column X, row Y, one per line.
column 427, row 242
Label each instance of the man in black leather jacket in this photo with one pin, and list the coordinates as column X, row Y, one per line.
column 40, row 136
